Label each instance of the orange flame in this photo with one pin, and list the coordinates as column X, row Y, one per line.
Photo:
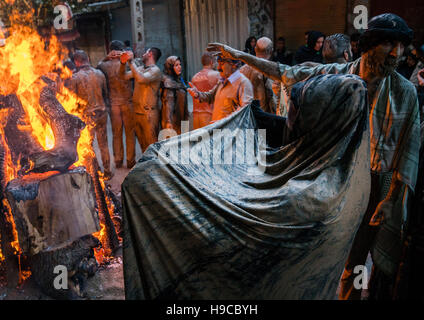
column 24, row 58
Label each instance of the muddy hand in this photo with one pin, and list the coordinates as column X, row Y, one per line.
column 225, row 51
column 193, row 91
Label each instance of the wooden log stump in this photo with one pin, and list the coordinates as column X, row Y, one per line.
column 51, row 210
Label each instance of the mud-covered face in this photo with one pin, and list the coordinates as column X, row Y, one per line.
column 226, row 68
column 146, row 56
column 177, row 67
column 384, row 58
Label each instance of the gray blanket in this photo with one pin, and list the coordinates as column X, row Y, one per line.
column 274, row 220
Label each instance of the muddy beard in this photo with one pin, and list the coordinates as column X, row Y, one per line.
column 381, row 65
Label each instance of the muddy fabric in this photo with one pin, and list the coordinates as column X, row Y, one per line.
column 277, row 227
column 120, row 90
column 262, row 89
column 174, row 103
column 205, row 80
column 227, row 96
column 395, row 143
column 90, row 86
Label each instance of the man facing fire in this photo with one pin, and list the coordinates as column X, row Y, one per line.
column 90, row 86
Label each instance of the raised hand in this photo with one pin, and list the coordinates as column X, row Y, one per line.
column 225, row 51
column 126, row 56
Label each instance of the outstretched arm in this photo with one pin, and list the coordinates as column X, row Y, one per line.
column 269, row 68
column 284, row 73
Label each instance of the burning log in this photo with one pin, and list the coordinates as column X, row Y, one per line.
column 6, row 232
column 20, row 142
column 51, row 210
column 66, row 130
column 111, row 242
column 80, row 263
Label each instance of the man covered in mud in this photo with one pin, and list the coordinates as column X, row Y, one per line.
column 122, row 113
column 147, row 80
column 204, row 80
column 90, row 86
column 262, row 85
column 395, row 143
column 232, row 92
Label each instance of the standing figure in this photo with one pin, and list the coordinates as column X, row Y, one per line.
column 174, row 95
column 312, row 52
column 146, row 94
column 90, row 86
column 122, row 113
column 262, row 85
column 204, row 80
column 250, row 45
column 281, row 54
column 232, row 92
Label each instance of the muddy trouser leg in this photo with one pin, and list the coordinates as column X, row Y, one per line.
column 201, row 119
column 101, row 134
column 118, row 149
column 128, row 119
column 361, row 246
column 147, row 128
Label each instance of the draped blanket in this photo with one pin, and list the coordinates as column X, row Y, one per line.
column 234, row 211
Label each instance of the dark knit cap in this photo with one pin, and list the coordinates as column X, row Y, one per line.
column 386, row 26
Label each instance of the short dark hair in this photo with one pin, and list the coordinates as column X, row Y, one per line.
column 116, row 45
column 127, row 43
column 156, row 53
column 335, row 46
column 355, row 37
column 80, row 57
column 207, row 58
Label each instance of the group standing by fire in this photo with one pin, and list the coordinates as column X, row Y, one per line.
column 143, row 100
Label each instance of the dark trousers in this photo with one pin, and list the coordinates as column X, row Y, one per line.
column 364, row 239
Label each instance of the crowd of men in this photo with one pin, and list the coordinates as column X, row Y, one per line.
column 143, row 100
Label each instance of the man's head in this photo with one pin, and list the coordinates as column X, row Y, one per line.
column 116, row 45
column 81, row 58
column 151, row 56
column 208, row 60
column 384, row 42
column 264, row 48
column 337, row 49
column 281, row 44
column 227, row 67
column 354, row 42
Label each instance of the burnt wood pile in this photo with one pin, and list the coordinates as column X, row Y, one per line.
column 55, row 210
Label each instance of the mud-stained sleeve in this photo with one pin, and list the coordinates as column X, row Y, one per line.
column 209, row 96
column 168, row 106
column 245, row 93
column 152, row 75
